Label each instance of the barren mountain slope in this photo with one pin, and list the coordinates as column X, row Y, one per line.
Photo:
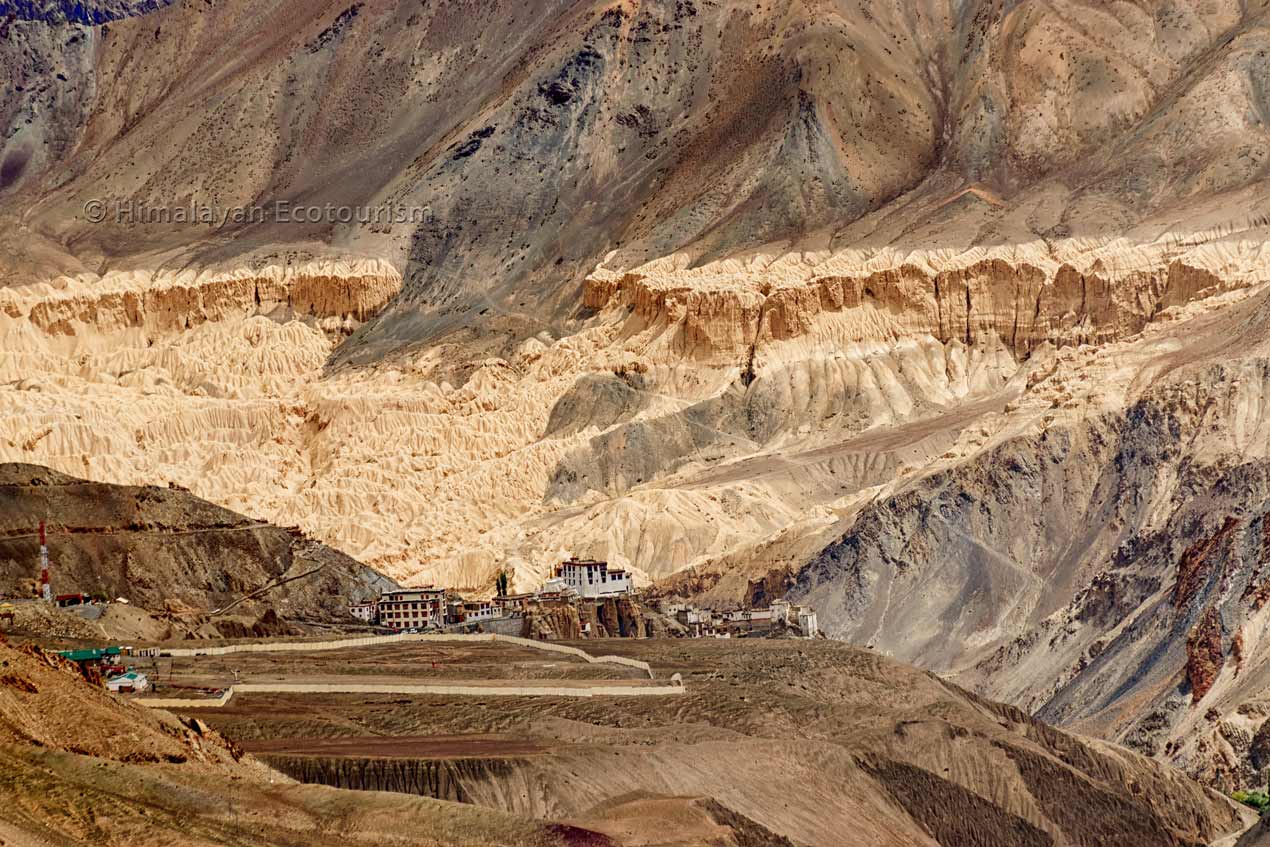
column 1105, row 572
column 540, row 136
column 818, row 144
column 160, row 548
column 81, row 765
column 816, row 742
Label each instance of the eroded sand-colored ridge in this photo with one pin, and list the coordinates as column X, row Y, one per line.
column 658, row 435
column 86, row 305
column 1026, row 295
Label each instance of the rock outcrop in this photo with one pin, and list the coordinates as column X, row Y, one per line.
column 552, row 621
column 610, row 617
column 88, row 308
column 722, row 319
column 1205, row 654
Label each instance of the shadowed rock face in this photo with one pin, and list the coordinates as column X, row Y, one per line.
column 87, row 13
column 541, row 136
column 158, row 546
column 440, row 779
column 1109, row 576
column 611, row 617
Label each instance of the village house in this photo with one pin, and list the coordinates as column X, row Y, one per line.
column 454, row 611
column 511, row 604
column 129, row 682
column 699, row 622
column 478, row 610
column 706, row 623
column 459, row 611
column 746, row 620
column 807, row 624
column 801, row 618
column 412, row 608
column 366, row 612
column 780, row 611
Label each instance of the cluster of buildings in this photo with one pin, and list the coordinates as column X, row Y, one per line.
column 422, row 608
column 708, row 623
column 109, row 662
column 437, row 608
column 576, row 580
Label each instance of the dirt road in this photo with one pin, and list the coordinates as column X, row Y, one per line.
column 463, row 688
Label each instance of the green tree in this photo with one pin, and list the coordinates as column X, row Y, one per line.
column 1258, row 800
column 502, row 582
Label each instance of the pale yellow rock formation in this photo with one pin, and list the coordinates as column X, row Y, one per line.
column 1069, row 293
column 218, row 382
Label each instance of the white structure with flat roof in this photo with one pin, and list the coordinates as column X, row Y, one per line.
column 130, row 681
column 594, row 579
column 479, row 610
column 367, row 612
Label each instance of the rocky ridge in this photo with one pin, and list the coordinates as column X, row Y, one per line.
column 725, row 313
column 171, row 554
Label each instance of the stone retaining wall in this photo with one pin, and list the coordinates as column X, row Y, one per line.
column 587, row 690
column 374, row 640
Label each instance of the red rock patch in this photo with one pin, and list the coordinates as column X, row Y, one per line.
column 1204, row 657
column 1196, row 563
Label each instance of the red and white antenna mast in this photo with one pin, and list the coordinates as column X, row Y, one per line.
column 46, row 589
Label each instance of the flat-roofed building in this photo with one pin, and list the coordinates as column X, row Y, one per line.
column 130, row 681
column 591, row 578
column 808, row 626
column 478, row 610
column 412, row 608
column 367, row 612
column 509, row 604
